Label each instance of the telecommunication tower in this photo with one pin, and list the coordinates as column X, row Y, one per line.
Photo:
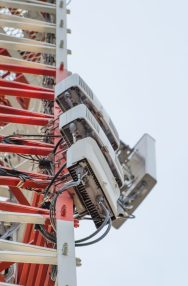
column 61, row 158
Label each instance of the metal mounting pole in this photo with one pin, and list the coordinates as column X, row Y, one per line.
column 64, row 207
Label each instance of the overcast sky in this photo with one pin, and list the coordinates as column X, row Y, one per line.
column 134, row 55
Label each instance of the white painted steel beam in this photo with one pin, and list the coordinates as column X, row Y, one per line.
column 28, row 249
column 28, row 257
column 22, row 218
column 28, row 26
column 24, row 41
column 25, row 63
column 38, row 2
column 28, row 6
column 24, row 19
column 27, row 47
column 23, row 247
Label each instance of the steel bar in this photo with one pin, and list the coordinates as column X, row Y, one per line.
column 28, row 257
column 28, row 26
column 5, row 59
column 25, row 142
column 23, row 218
column 31, row 174
column 19, row 119
column 21, row 40
column 16, row 182
column 28, row 6
column 25, row 19
column 11, row 110
column 26, row 69
column 20, row 141
column 23, row 247
column 20, row 197
column 20, row 85
column 39, row 2
column 25, row 93
column 27, row 150
column 40, row 48
column 4, row 265
column 5, row 206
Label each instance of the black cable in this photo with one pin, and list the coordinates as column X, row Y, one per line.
column 13, row 173
column 54, row 178
column 107, row 217
column 31, row 135
column 31, row 158
column 131, row 216
column 50, row 237
column 54, row 200
column 98, row 239
column 57, row 145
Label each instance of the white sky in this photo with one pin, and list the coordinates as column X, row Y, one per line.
column 134, row 55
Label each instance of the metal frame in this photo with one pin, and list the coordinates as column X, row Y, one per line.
column 26, row 212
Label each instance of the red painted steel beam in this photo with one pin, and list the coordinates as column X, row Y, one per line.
column 20, row 119
column 27, row 150
column 19, row 196
column 5, row 265
column 26, row 93
column 16, row 182
column 25, row 142
column 31, row 174
column 14, row 84
column 11, row 207
column 2, row 278
column 25, row 69
column 7, row 109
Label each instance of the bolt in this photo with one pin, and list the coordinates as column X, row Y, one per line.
column 61, row 23
column 61, row 4
column 61, row 44
column 63, row 210
column 65, row 249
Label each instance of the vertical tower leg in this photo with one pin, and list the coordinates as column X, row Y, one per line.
column 65, row 242
column 64, row 206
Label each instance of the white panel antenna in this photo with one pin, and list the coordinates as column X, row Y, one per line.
column 140, row 163
column 85, row 158
column 78, row 123
column 73, row 91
